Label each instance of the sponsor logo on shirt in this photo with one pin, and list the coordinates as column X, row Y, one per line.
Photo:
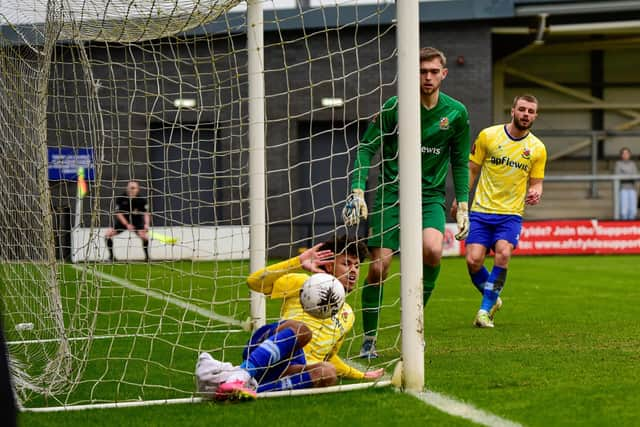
column 430, row 150
column 444, row 123
column 498, row 161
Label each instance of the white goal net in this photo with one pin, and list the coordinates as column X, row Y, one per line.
column 157, row 92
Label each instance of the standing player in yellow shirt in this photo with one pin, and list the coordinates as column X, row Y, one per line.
column 299, row 351
column 512, row 161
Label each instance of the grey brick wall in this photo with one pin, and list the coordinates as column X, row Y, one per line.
column 138, row 84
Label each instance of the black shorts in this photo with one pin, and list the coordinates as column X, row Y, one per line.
column 139, row 225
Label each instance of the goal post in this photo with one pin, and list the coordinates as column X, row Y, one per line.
column 240, row 122
column 409, row 165
column 257, row 185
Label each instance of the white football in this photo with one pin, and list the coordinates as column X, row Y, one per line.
column 322, row 295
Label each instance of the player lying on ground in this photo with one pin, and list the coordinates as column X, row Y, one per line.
column 273, row 360
column 299, row 351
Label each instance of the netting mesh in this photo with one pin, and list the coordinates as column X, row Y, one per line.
column 157, row 91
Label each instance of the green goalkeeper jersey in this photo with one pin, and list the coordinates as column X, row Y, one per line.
column 444, row 141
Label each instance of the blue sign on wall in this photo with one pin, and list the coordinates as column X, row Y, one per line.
column 64, row 163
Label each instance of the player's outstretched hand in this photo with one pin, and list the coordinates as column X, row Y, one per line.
column 462, row 218
column 374, row 375
column 533, row 197
column 314, row 259
column 355, row 208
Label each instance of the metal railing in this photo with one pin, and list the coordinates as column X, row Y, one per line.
column 615, row 179
column 592, row 138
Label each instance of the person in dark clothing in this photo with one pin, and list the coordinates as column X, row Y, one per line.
column 132, row 213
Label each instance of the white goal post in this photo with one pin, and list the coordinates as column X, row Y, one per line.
column 240, row 122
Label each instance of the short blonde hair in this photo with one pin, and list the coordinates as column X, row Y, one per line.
column 429, row 53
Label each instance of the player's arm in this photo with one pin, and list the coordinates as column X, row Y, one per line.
column 120, row 214
column 475, row 160
column 347, row 371
column 344, row 370
column 120, row 217
column 355, row 207
column 312, row 260
column 370, row 143
column 147, row 216
column 534, row 192
column 460, row 157
column 263, row 280
column 474, row 172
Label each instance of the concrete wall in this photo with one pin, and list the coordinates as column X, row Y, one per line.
column 136, row 86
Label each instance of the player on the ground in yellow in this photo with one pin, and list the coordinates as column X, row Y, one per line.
column 300, row 350
column 282, row 281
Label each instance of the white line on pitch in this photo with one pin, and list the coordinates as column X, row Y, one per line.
column 113, row 337
column 463, row 410
column 162, row 297
column 453, row 406
column 439, row 401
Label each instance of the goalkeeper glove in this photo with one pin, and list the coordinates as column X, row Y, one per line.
column 355, row 208
column 462, row 218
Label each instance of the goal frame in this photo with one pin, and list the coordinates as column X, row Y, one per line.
column 407, row 46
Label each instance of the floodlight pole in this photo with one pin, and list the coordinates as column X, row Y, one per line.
column 257, row 186
column 410, row 167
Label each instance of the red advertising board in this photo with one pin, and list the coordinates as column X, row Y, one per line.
column 579, row 237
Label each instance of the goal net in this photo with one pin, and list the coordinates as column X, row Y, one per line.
column 95, row 94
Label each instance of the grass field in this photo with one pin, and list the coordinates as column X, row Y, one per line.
column 565, row 350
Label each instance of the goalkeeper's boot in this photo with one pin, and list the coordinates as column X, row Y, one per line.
column 496, row 307
column 235, row 390
column 482, row 320
column 368, row 349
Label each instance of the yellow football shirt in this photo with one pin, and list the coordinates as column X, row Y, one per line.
column 507, row 164
column 278, row 281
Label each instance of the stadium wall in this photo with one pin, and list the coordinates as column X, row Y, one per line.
column 137, row 108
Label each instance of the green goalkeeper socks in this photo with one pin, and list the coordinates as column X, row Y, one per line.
column 429, row 276
column 371, row 301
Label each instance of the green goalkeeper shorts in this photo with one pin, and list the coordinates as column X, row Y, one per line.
column 384, row 228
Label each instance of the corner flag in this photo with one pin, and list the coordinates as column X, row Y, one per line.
column 82, row 184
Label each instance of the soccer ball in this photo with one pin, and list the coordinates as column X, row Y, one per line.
column 322, row 295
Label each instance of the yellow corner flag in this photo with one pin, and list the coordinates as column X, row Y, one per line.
column 82, row 184
column 162, row 238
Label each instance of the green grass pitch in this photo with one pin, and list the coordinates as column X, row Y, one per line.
column 565, row 350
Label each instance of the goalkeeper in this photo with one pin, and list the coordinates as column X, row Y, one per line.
column 444, row 142
column 512, row 162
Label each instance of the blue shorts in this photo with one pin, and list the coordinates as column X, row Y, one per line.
column 486, row 229
column 273, row 372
